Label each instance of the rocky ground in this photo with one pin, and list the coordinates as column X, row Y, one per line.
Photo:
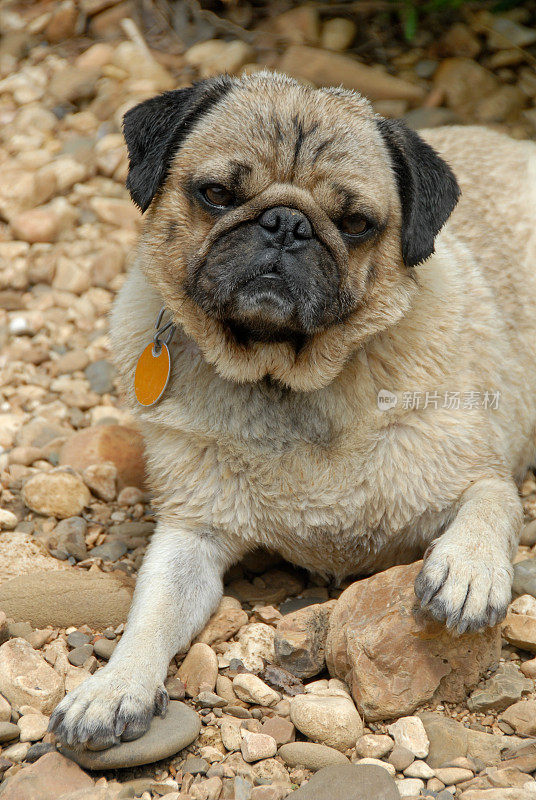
column 438, row 716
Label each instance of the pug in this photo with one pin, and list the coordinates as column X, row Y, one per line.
column 352, row 368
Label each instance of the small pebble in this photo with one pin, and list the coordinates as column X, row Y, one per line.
column 78, row 639
column 210, row 700
column 175, row 689
column 109, row 551
column 80, row 654
column 400, row 757
column 103, row 648
column 8, row 732
column 195, row 766
column 257, row 746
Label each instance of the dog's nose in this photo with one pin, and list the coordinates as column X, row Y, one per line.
column 286, row 225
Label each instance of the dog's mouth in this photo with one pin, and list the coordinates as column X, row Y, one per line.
column 264, row 304
column 264, row 309
column 268, row 285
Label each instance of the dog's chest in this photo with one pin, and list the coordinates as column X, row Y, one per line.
column 290, row 478
column 311, row 475
column 334, row 509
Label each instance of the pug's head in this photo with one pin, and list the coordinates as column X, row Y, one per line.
column 283, row 222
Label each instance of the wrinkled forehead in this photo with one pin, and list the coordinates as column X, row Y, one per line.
column 287, row 133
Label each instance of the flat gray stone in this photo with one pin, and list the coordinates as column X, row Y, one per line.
column 310, row 755
column 103, row 648
column 100, row 375
column 165, row 737
column 79, row 655
column 450, row 739
column 70, row 535
column 297, row 603
column 501, row 690
column 8, row 732
column 39, row 749
column 109, row 551
column 126, row 530
column 195, row 766
column 349, row 782
column 77, row 639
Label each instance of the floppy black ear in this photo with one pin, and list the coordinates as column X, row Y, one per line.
column 427, row 187
column 154, row 131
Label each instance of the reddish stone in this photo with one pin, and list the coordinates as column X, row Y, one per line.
column 121, row 445
column 394, row 657
column 300, row 639
column 49, row 777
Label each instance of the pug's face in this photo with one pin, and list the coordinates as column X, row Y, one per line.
column 283, row 222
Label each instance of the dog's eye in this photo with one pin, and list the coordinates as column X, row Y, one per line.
column 218, row 195
column 355, row 225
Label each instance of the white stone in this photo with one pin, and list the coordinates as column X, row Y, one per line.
column 332, row 688
column 256, row 746
column 526, row 604
column 8, row 520
column 328, row 720
column 409, row 732
column 410, row 787
column 230, row 734
column 19, row 326
column 32, row 727
column 255, row 644
column 377, row 763
column 374, row 745
column 317, row 687
column 252, row 689
column 419, row 769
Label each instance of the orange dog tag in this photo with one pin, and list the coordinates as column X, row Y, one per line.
column 152, row 374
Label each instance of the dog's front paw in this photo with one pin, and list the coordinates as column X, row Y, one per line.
column 466, row 590
column 106, row 708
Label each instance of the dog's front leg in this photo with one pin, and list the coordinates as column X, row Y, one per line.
column 179, row 586
column 466, row 577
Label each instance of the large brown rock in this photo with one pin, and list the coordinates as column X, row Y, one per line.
column 68, row 597
column 325, row 68
column 52, row 776
column 300, row 640
column 121, row 445
column 392, row 656
column 27, row 679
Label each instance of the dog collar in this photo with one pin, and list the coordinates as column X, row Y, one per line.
column 154, row 364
